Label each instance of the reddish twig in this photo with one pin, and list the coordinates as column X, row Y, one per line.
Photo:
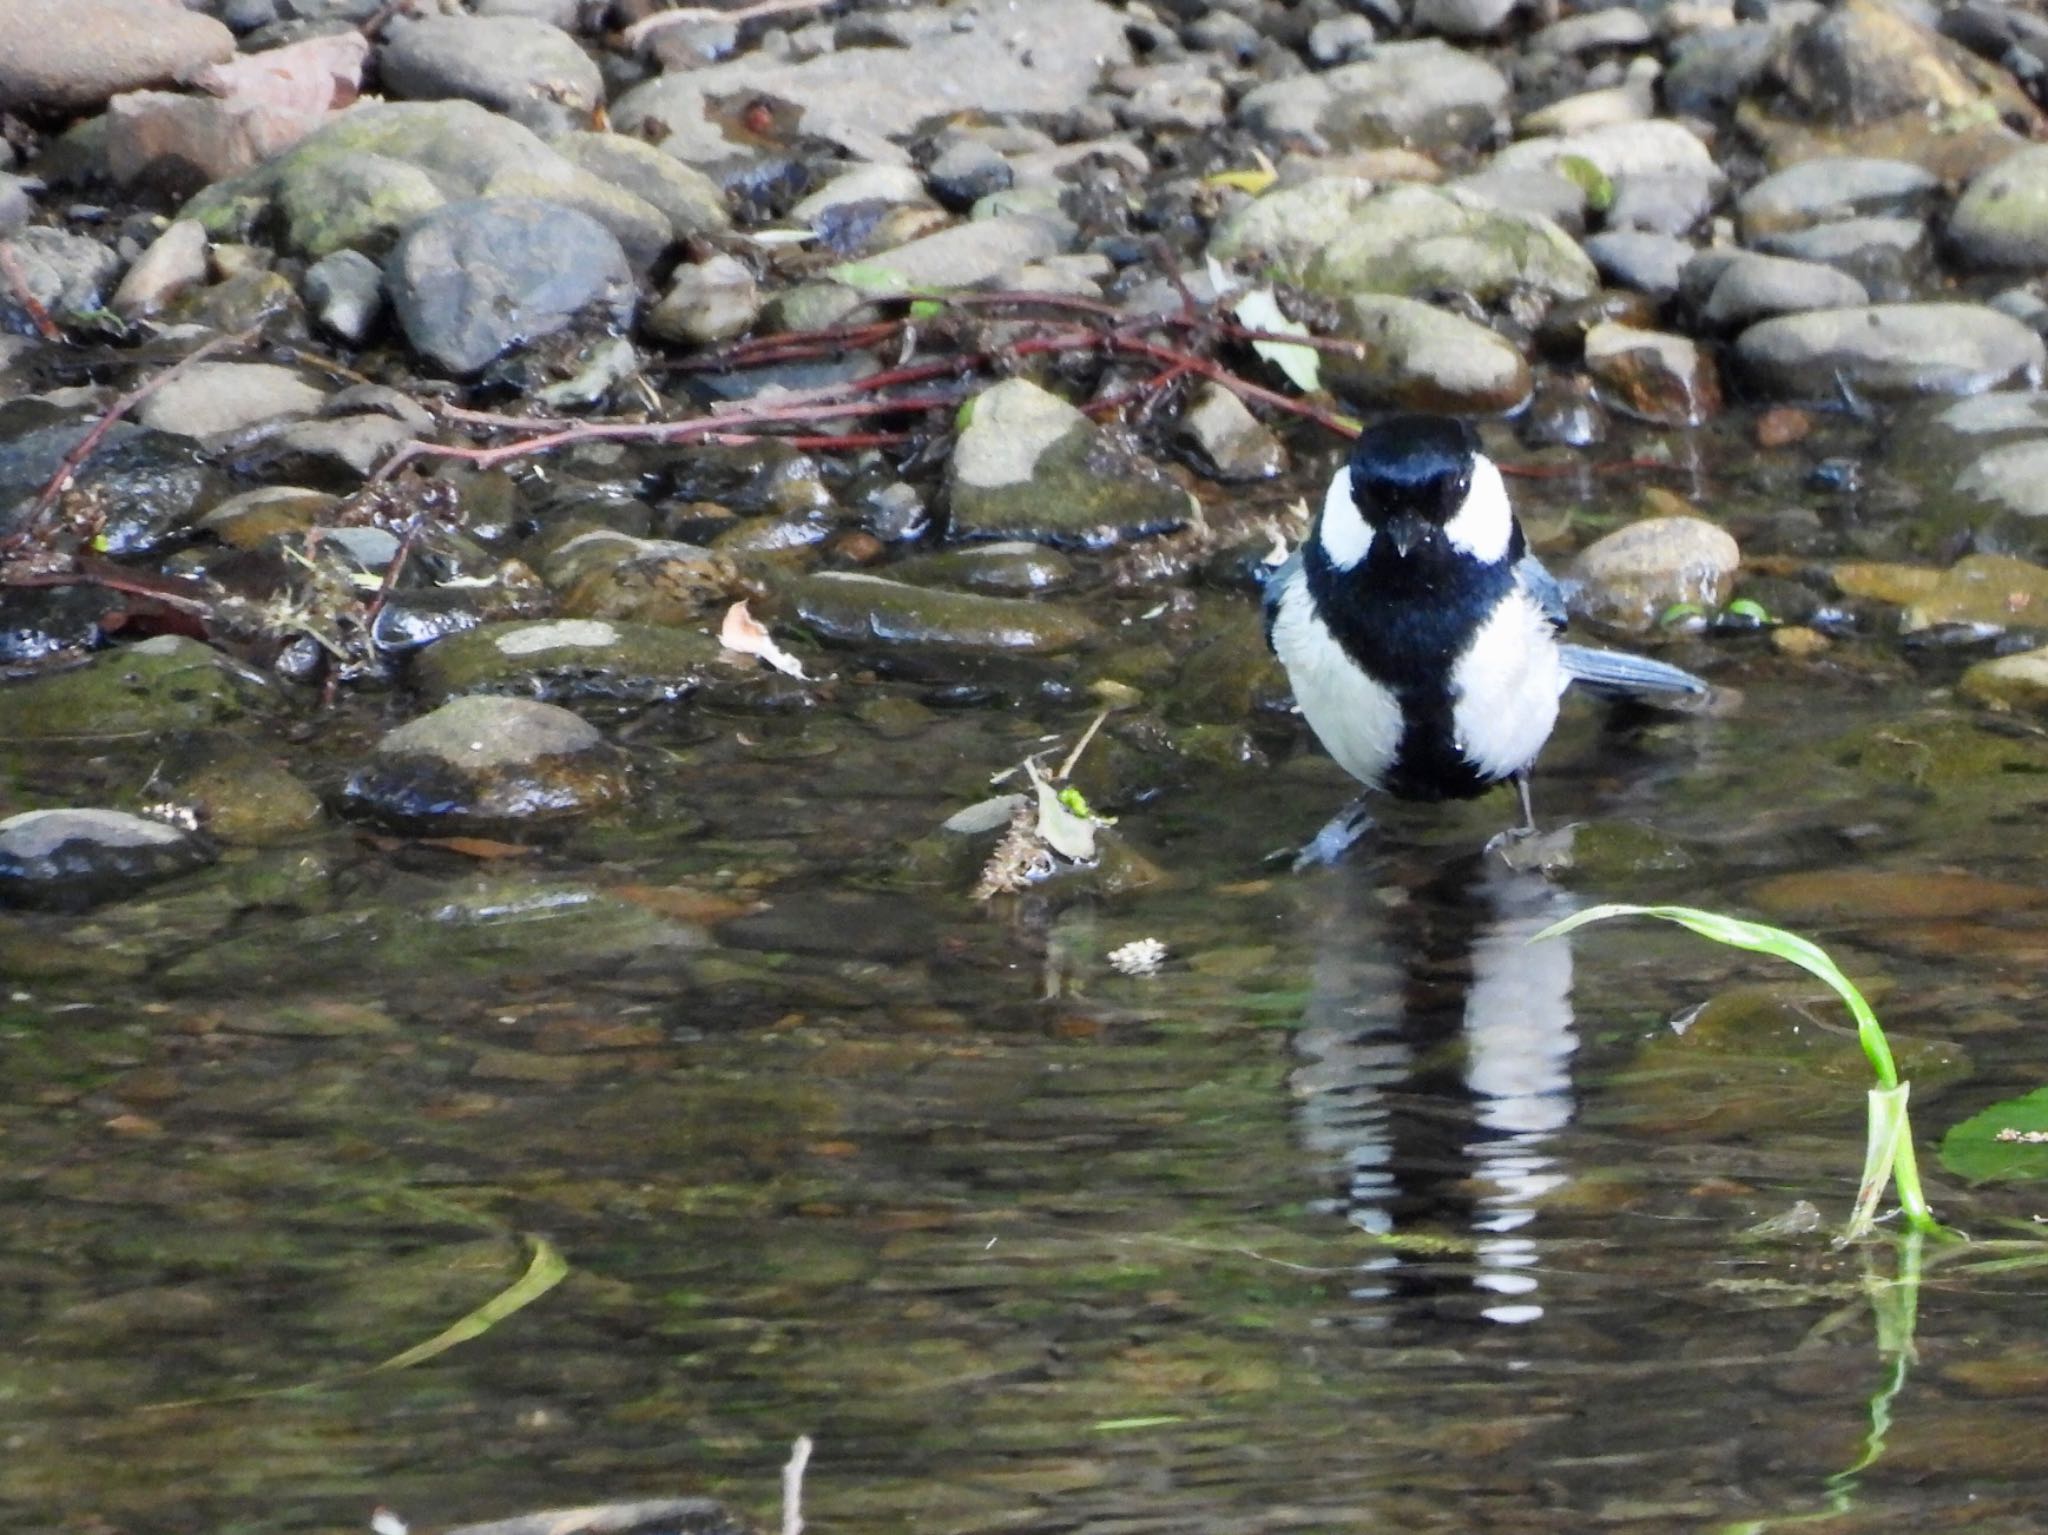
column 17, row 279
column 727, row 423
column 89, row 443
column 647, row 26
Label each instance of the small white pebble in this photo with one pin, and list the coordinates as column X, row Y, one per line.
column 1141, row 956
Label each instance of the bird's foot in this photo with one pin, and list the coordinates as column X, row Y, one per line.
column 1527, row 850
column 1339, row 834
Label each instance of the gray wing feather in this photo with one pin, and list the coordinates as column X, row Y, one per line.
column 1277, row 580
column 1543, row 586
column 1612, row 671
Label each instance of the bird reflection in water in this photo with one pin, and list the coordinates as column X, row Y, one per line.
column 1435, row 1074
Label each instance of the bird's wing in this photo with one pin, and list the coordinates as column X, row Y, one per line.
column 1540, row 584
column 1614, row 671
column 1278, row 578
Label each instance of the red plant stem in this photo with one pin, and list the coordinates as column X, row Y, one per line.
column 654, row 431
column 10, row 264
column 113, row 413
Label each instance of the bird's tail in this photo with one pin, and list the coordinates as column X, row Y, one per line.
column 1615, row 672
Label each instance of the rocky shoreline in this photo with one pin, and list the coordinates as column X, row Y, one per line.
column 537, row 334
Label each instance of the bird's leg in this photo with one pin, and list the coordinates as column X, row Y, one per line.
column 1524, row 848
column 1336, row 838
column 1528, row 808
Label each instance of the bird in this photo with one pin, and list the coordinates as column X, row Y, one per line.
column 1420, row 635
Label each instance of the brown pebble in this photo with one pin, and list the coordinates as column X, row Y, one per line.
column 1783, row 426
column 855, row 548
column 1799, row 642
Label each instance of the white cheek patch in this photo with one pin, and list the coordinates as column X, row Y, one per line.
column 1344, row 535
column 1485, row 523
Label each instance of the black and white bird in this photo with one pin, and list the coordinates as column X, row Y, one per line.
column 1419, row 633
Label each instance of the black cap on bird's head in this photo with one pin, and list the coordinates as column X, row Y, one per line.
column 1416, row 481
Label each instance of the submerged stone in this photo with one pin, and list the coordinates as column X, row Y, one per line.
column 863, row 610
column 479, row 762
column 136, row 693
column 72, row 859
column 1028, row 465
column 569, row 658
column 1630, row 577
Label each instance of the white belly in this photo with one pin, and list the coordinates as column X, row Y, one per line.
column 1357, row 720
column 1505, row 687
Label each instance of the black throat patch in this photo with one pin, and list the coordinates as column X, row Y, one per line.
column 1405, row 621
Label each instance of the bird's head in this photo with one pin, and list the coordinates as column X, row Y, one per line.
column 1419, row 487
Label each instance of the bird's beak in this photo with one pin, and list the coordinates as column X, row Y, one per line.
column 1406, row 530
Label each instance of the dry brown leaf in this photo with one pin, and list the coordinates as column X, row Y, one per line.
column 747, row 635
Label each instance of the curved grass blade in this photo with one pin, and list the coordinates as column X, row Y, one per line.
column 547, row 1270
column 1888, row 1141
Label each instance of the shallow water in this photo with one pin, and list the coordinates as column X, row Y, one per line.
column 1364, row 1214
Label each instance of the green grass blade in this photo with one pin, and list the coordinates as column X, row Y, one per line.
column 1889, row 1136
column 547, row 1270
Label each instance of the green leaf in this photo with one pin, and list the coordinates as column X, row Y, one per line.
column 547, row 1270
column 1973, row 1150
column 1591, row 180
column 1259, row 310
column 1747, row 607
column 926, row 309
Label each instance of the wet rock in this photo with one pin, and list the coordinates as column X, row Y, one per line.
column 480, row 762
column 1175, row 98
column 1539, row 193
column 712, row 301
column 689, row 199
column 476, row 278
column 1232, row 442
column 1886, row 255
column 1890, row 351
column 71, row 55
column 174, row 262
column 244, row 797
column 1833, row 188
column 962, row 56
column 1028, row 465
column 651, row 1516
column 67, row 274
column 374, row 169
column 1418, row 357
column 1653, row 375
column 1865, row 61
column 1341, row 40
column 1631, row 576
column 1648, row 263
column 861, row 187
column 849, row 608
column 576, row 658
column 1656, row 148
column 72, row 859
column 213, row 397
column 1620, row 27
column 984, row 251
column 2018, row 682
column 641, row 580
column 966, row 171
column 1014, row 569
column 1564, row 413
column 1423, row 94
column 1714, row 68
column 1669, row 204
column 1420, row 240
column 2001, row 220
column 1633, row 100
column 1463, row 18
column 345, row 291
column 1285, row 228
column 2012, row 480
column 1748, row 287
column 529, row 71
column 147, row 484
